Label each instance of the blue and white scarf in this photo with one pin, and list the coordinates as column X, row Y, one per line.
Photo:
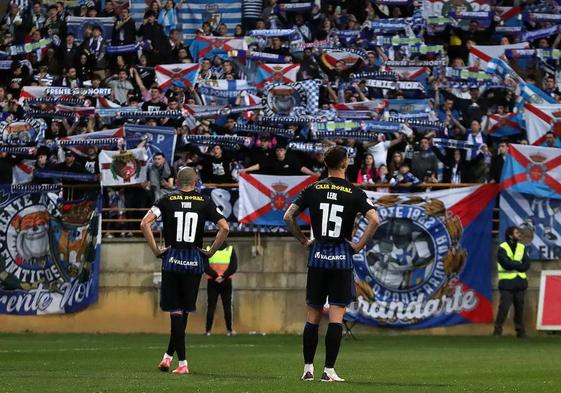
column 541, row 33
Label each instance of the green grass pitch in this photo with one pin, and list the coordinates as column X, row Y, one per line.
column 127, row 363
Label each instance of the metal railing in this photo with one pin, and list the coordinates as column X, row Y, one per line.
column 132, row 225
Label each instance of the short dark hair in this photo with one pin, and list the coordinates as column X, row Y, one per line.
column 159, row 154
column 335, row 157
column 510, row 231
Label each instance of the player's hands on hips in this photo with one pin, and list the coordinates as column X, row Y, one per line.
column 161, row 252
column 207, row 253
column 308, row 243
column 355, row 246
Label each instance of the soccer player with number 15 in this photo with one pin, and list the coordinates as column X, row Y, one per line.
column 334, row 203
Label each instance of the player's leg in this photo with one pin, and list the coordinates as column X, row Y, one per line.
column 189, row 289
column 226, row 295
column 340, row 291
column 504, row 306
column 178, row 335
column 168, row 302
column 212, row 299
column 316, row 296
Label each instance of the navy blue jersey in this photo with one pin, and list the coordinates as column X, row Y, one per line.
column 333, row 204
column 183, row 216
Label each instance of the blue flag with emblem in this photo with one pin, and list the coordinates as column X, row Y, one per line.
column 50, row 249
column 428, row 263
column 158, row 140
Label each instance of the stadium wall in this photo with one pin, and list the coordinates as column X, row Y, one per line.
column 268, row 297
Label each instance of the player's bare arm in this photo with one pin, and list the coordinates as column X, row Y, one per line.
column 373, row 224
column 146, row 227
column 290, row 220
column 223, row 230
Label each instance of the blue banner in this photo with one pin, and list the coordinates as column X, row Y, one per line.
column 49, row 252
column 539, row 220
column 158, row 140
column 78, row 25
column 428, row 263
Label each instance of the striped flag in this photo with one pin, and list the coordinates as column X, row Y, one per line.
column 269, row 73
column 480, row 55
column 209, row 47
column 541, row 119
column 22, row 172
column 503, row 125
column 331, row 56
column 194, row 12
column 181, row 75
column 532, row 170
column 191, row 14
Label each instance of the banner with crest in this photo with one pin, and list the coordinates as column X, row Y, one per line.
column 119, row 168
column 428, row 263
column 49, row 251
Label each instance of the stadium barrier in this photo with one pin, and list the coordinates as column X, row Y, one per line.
column 70, row 192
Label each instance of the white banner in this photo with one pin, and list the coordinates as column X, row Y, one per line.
column 120, row 168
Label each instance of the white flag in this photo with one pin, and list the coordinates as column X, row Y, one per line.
column 120, row 168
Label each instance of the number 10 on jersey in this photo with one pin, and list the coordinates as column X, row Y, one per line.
column 186, row 226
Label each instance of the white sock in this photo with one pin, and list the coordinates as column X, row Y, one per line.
column 166, row 356
column 183, row 363
column 328, row 370
column 309, row 368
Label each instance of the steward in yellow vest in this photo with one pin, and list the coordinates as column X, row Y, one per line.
column 512, row 264
column 221, row 267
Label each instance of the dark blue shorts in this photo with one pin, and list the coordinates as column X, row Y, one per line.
column 333, row 285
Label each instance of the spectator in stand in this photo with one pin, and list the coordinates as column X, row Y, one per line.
column 70, row 80
column 367, row 172
column 395, row 163
column 497, row 162
column 424, row 164
column 94, row 47
column 551, row 140
column 124, row 30
column 459, row 170
column 69, row 53
column 42, row 162
column 281, row 165
column 405, row 180
column 380, row 146
column 168, row 17
column 160, row 177
column 120, row 87
column 216, row 167
column 36, row 17
column 159, row 43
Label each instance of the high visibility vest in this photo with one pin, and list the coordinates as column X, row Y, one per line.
column 516, row 257
column 220, row 261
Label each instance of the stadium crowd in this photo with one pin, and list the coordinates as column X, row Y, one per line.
column 464, row 110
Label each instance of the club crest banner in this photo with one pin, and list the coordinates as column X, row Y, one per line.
column 291, row 99
column 28, row 132
column 123, row 168
column 49, row 252
column 539, row 220
column 264, row 198
column 428, row 263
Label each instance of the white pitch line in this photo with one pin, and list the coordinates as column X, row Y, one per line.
column 115, row 348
